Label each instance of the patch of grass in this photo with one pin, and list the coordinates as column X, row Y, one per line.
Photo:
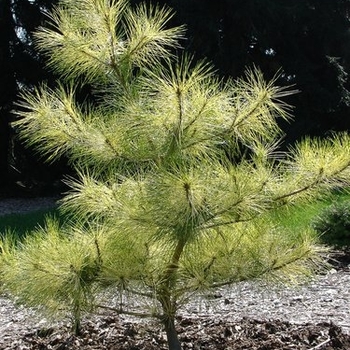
column 23, row 223
column 299, row 217
column 303, row 216
column 295, row 218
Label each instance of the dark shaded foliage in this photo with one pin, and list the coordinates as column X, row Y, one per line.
column 7, row 86
column 308, row 41
column 21, row 67
column 333, row 224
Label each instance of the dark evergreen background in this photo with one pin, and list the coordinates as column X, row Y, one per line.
column 308, row 40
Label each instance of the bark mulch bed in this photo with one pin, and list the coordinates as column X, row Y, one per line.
column 195, row 333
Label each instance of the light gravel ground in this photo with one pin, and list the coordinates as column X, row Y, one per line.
column 325, row 299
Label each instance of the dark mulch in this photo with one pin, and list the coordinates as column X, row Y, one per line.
column 195, row 333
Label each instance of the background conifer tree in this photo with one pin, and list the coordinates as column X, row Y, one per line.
column 176, row 171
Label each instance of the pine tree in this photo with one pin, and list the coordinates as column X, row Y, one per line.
column 177, row 171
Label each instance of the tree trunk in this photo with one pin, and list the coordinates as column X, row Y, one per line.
column 166, row 300
column 172, row 338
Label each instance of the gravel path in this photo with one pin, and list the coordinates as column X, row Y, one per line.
column 326, row 299
column 20, row 205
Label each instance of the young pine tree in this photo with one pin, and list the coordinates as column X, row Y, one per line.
column 176, row 170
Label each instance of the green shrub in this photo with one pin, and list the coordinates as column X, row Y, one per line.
column 333, row 223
